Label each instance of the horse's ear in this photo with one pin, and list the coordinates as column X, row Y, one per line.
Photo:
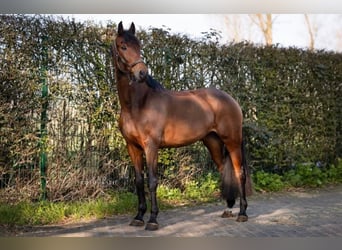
column 132, row 28
column 120, row 28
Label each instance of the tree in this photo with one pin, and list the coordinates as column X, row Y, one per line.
column 265, row 23
column 312, row 29
column 338, row 45
column 233, row 24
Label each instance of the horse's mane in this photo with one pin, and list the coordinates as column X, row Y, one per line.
column 153, row 83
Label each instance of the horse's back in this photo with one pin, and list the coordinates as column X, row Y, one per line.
column 204, row 110
column 220, row 101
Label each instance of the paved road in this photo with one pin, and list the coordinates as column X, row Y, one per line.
column 293, row 214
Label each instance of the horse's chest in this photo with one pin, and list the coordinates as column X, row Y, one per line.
column 128, row 128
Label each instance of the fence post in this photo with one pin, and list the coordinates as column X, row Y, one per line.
column 43, row 119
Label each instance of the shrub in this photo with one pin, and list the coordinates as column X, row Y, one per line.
column 306, row 175
column 334, row 173
column 166, row 193
column 264, row 181
column 290, row 98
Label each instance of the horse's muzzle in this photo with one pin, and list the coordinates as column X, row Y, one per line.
column 139, row 72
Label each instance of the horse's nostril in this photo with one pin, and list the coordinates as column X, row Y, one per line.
column 142, row 73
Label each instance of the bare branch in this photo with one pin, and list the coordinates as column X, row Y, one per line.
column 312, row 32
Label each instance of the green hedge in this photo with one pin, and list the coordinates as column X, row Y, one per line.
column 290, row 98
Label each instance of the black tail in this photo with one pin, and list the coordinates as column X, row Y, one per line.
column 230, row 184
column 230, row 187
column 247, row 172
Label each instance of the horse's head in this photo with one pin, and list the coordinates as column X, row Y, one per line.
column 127, row 54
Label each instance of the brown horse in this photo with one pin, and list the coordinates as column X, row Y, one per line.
column 153, row 117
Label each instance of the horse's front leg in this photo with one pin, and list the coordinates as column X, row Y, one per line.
column 136, row 155
column 151, row 153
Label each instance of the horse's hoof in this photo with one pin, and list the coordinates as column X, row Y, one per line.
column 137, row 223
column 242, row 218
column 227, row 214
column 150, row 226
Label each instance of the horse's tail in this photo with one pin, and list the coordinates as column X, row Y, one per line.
column 246, row 171
column 230, row 183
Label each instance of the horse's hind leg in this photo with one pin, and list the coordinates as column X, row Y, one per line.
column 235, row 152
column 215, row 147
column 221, row 158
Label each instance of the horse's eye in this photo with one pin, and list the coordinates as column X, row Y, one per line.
column 123, row 47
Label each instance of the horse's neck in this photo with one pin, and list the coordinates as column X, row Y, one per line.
column 130, row 94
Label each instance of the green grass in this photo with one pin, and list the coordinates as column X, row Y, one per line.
column 41, row 213
column 205, row 189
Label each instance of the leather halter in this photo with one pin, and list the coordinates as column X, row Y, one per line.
column 124, row 62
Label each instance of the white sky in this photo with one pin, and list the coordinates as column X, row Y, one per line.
column 288, row 29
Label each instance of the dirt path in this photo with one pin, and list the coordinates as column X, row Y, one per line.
column 293, row 214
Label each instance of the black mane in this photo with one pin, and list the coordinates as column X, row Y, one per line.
column 154, row 84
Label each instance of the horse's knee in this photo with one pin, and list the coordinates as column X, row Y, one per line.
column 139, row 182
column 153, row 183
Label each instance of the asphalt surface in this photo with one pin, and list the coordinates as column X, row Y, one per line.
column 309, row 213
